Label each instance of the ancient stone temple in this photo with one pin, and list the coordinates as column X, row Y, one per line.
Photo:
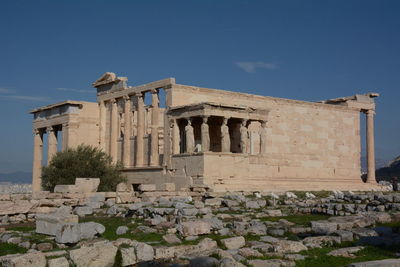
column 222, row 140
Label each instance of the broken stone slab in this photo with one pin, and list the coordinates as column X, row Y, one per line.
column 230, row 262
column 74, row 232
column 144, row 252
column 48, row 223
column 34, row 259
column 273, row 213
column 379, row 263
column 319, row 241
column 234, row 242
column 15, row 207
column 101, row 254
column 192, row 228
column 124, row 187
column 171, row 239
column 288, row 246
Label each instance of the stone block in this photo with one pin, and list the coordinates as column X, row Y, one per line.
column 15, row 207
column 323, row 227
column 125, row 197
column 147, row 187
column 47, row 223
column 83, row 211
column 124, row 187
column 39, row 194
column 144, row 252
column 128, row 256
column 74, row 232
column 87, row 185
column 62, row 188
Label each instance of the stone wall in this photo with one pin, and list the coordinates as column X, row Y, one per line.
column 309, row 141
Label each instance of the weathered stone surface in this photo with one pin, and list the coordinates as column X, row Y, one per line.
column 48, row 223
column 128, row 256
column 74, row 232
column 198, row 227
column 87, row 185
column 345, row 252
column 171, row 239
column 271, row 263
column 230, row 262
column 234, row 242
column 319, row 241
column 83, row 211
column 144, row 252
column 323, row 227
column 15, row 207
column 147, row 187
column 34, row 259
column 249, row 252
column 44, row 246
column 101, row 254
column 287, row 246
column 58, row 262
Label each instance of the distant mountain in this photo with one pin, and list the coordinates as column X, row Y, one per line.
column 393, row 169
column 16, row 177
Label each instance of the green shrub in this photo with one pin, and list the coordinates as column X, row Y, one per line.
column 83, row 161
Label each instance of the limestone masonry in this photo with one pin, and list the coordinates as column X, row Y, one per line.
column 214, row 139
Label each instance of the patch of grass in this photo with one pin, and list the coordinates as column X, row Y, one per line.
column 112, row 223
column 25, row 229
column 6, row 248
column 317, row 257
column 301, row 219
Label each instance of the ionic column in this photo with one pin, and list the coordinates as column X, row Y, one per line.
column 114, row 130
column 51, row 143
column 263, row 137
column 127, row 132
column 370, row 147
column 102, row 128
column 37, row 160
column 140, row 131
column 154, row 155
column 205, row 135
column 225, row 138
column 64, row 136
column 189, row 137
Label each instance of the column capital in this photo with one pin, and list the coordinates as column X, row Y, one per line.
column 138, row 94
column 113, row 101
column 154, row 91
column 50, row 129
column 205, row 118
column 370, row 112
column 127, row 98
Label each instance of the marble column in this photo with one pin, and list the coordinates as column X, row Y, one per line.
column 154, row 155
column 263, row 137
column 102, row 126
column 65, row 136
column 189, row 137
column 140, row 130
column 127, row 132
column 225, row 138
column 114, row 130
column 51, row 143
column 205, row 135
column 370, row 147
column 37, row 160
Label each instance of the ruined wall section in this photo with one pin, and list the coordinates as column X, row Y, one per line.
column 307, row 143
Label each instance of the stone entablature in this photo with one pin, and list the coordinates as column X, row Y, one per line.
column 196, row 134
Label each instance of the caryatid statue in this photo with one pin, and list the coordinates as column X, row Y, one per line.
column 244, row 137
column 205, row 135
column 189, row 137
column 225, row 139
column 263, row 137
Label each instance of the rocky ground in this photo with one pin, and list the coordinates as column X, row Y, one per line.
column 205, row 229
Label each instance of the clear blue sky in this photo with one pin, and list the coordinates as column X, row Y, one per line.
column 307, row 50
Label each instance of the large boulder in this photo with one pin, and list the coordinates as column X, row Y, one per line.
column 101, row 254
